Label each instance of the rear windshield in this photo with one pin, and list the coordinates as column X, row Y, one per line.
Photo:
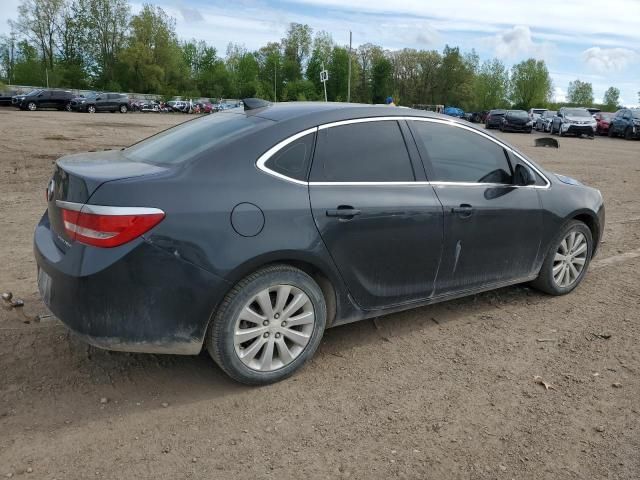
column 188, row 139
column 518, row 114
column 577, row 112
column 606, row 116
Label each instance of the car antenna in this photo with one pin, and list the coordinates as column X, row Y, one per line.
column 254, row 103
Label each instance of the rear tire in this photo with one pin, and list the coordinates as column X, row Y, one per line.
column 123, row 109
column 611, row 133
column 91, row 109
column 255, row 345
column 32, row 106
column 554, row 266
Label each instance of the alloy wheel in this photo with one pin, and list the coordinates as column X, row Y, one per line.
column 273, row 328
column 32, row 106
column 569, row 259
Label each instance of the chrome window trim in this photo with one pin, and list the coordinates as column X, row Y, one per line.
column 107, row 210
column 260, row 163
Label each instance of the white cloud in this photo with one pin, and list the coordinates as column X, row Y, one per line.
column 609, row 59
column 516, row 43
column 559, row 95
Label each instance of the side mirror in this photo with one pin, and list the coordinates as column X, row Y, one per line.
column 523, row 176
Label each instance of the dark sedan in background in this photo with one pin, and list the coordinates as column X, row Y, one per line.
column 494, row 118
column 252, row 231
column 516, row 121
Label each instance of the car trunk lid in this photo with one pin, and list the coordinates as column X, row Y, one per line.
column 76, row 177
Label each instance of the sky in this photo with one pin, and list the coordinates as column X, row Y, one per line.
column 597, row 41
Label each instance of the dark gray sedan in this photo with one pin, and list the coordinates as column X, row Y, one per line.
column 252, row 231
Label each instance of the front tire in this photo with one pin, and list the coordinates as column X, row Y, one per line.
column 268, row 325
column 123, row 109
column 628, row 134
column 567, row 260
column 32, row 106
column 91, row 109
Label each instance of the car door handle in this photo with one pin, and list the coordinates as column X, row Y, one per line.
column 465, row 210
column 343, row 211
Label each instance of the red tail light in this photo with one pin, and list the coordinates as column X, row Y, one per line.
column 107, row 227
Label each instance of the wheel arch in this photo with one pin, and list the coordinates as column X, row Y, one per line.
column 590, row 219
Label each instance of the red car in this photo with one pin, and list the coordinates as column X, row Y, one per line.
column 603, row 119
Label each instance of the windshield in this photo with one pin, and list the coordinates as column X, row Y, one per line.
column 577, row 112
column 550, row 113
column 606, row 116
column 518, row 114
column 635, row 113
column 188, row 139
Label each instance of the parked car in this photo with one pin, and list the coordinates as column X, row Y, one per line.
column 516, row 121
column 102, row 102
column 603, row 119
column 574, row 121
column 494, row 118
column 38, row 99
column 454, row 112
column 535, row 113
column 18, row 98
column 5, row 98
column 253, row 231
column 543, row 122
column 626, row 122
column 593, row 110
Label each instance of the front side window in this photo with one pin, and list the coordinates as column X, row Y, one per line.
column 459, row 155
column 362, row 152
column 293, row 159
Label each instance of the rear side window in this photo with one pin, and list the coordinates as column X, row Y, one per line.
column 459, row 155
column 362, row 152
column 293, row 159
column 185, row 141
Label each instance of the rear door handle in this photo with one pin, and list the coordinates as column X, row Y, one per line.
column 343, row 211
column 465, row 210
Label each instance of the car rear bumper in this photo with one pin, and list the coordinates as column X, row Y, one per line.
column 134, row 298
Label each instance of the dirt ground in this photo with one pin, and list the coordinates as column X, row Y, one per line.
column 442, row 392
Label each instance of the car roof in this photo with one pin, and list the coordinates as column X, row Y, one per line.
column 334, row 111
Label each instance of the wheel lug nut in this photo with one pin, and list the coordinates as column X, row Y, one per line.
column 277, row 335
column 276, row 316
column 265, row 323
column 266, row 334
column 284, row 324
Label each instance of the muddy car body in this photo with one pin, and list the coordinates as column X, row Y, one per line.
column 252, row 231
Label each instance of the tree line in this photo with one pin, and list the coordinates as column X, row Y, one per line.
column 101, row 45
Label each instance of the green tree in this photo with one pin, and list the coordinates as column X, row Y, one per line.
column 337, row 85
column 455, row 77
column 105, row 23
column 580, row 93
column 531, row 84
column 39, row 21
column 296, row 46
column 491, row 86
column 28, row 68
column 611, row 98
column 270, row 75
column 152, row 56
column 320, row 56
column 243, row 71
column 381, row 79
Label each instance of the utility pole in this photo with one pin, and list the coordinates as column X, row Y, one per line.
column 46, row 71
column 275, row 87
column 349, row 79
